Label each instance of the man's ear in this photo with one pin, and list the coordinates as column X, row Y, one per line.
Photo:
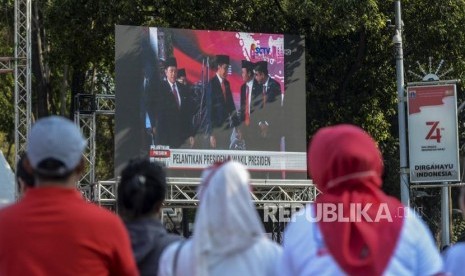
column 80, row 167
column 27, row 166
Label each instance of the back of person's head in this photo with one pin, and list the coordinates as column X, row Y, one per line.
column 55, row 148
column 338, row 154
column 221, row 60
column 24, row 177
column 262, row 67
column 227, row 222
column 346, row 165
column 225, row 198
column 248, row 66
column 142, row 189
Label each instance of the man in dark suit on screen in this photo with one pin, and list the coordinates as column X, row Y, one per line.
column 174, row 111
column 221, row 111
column 251, row 96
column 268, row 109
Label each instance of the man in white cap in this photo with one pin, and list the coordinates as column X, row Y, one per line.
column 53, row 230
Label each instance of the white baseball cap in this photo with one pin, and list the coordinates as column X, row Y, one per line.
column 58, row 138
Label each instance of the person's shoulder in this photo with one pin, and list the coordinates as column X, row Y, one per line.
column 273, row 82
column 413, row 222
column 165, row 84
column 415, row 234
column 271, row 245
column 267, row 252
column 180, row 84
column 214, row 79
column 168, row 255
column 168, row 239
column 301, row 225
column 10, row 210
column 457, row 251
column 454, row 258
column 304, row 215
column 174, row 237
column 106, row 223
column 182, row 88
column 98, row 213
column 170, row 250
column 213, row 82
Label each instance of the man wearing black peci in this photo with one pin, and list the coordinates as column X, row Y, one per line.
column 270, row 108
column 251, row 92
column 174, row 111
column 182, row 78
column 221, row 111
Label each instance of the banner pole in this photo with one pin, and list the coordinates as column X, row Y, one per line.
column 397, row 39
column 445, row 216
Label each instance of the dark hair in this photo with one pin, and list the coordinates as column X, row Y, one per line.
column 262, row 67
column 23, row 174
column 52, row 169
column 142, row 188
column 262, row 70
column 249, row 71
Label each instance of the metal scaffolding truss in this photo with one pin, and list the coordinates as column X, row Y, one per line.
column 88, row 106
column 6, row 65
column 20, row 65
column 105, row 104
column 106, row 192
column 183, row 192
column 22, row 70
column 99, row 104
column 86, row 122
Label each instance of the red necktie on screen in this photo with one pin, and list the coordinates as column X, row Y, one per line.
column 247, row 105
column 264, row 96
column 223, row 88
column 175, row 94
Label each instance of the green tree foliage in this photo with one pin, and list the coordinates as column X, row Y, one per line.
column 7, row 82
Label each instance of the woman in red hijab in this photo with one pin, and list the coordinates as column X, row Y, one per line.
column 354, row 228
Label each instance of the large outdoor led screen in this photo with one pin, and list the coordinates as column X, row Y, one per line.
column 191, row 98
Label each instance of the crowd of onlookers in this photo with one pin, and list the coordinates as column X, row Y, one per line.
column 52, row 230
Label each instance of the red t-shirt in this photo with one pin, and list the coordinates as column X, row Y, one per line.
column 53, row 231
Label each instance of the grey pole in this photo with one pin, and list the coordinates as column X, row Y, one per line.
column 445, row 231
column 397, row 39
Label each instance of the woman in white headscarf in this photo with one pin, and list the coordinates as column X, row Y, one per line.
column 229, row 238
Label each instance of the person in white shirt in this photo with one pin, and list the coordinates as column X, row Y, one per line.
column 354, row 228
column 229, row 238
column 454, row 256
